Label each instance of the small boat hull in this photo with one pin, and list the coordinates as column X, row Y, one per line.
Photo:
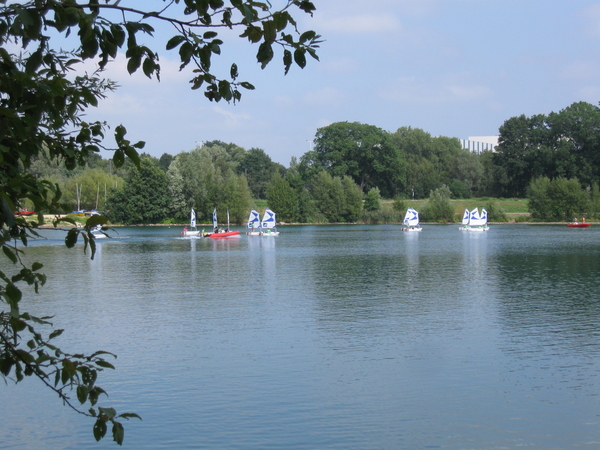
column 224, row 234
column 412, row 229
column 477, row 229
column 578, row 225
column 190, row 233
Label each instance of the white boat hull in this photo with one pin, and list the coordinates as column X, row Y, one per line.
column 412, row 229
column 270, row 233
column 190, row 233
column 476, row 229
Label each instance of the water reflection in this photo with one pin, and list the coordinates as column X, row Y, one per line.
column 357, row 337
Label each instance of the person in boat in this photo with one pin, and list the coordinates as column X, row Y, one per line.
column 216, row 229
column 583, row 219
column 574, row 219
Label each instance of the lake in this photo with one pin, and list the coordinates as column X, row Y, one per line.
column 327, row 337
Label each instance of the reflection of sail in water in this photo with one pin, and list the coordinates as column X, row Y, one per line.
column 412, row 256
column 475, row 257
column 225, row 244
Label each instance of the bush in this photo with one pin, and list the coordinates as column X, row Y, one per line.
column 373, row 200
column 399, row 204
column 438, row 208
column 558, row 199
column 495, row 214
column 459, row 189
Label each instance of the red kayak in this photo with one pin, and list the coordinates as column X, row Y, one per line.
column 223, row 234
column 578, row 225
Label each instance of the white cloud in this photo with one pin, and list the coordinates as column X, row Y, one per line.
column 324, row 97
column 230, row 115
column 421, row 91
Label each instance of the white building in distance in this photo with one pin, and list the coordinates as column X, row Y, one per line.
column 478, row 144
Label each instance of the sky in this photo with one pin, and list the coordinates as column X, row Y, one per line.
column 454, row 68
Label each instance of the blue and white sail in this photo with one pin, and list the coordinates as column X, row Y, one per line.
column 268, row 220
column 193, row 219
column 214, row 217
column 475, row 220
column 466, row 216
column 411, row 219
column 253, row 220
column 484, row 216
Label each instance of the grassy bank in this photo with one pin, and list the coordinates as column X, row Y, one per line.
column 511, row 207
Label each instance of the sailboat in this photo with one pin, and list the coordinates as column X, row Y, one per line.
column 269, row 224
column 465, row 220
column 477, row 222
column 254, row 224
column 193, row 231
column 411, row 220
column 221, row 233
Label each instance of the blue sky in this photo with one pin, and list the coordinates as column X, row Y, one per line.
column 455, row 68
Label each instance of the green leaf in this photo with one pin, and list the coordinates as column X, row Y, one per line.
column 82, row 394
column 99, row 429
column 108, row 412
column 265, row 54
column 14, row 293
column 71, row 238
column 287, row 60
column 119, row 158
column 300, row 57
column 118, row 433
column 104, row 364
column 129, row 415
column 9, row 254
column 175, row 41
column 234, row 71
column 134, row 63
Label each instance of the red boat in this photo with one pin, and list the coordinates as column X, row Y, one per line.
column 223, row 234
column 578, row 225
column 24, row 213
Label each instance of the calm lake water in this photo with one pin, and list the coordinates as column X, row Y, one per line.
column 328, row 337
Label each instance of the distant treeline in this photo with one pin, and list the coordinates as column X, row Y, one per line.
column 351, row 167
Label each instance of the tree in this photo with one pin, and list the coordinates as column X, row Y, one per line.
column 283, row 199
column 42, row 102
column 144, row 198
column 558, row 199
column 165, row 161
column 207, row 178
column 438, row 207
column 259, row 169
column 353, row 198
column 373, row 200
column 432, row 161
column 363, row 152
column 328, row 194
column 564, row 144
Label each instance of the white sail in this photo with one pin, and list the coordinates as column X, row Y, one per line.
column 268, row 220
column 253, row 220
column 484, row 216
column 465, row 219
column 411, row 219
column 215, row 223
column 475, row 219
column 193, row 219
